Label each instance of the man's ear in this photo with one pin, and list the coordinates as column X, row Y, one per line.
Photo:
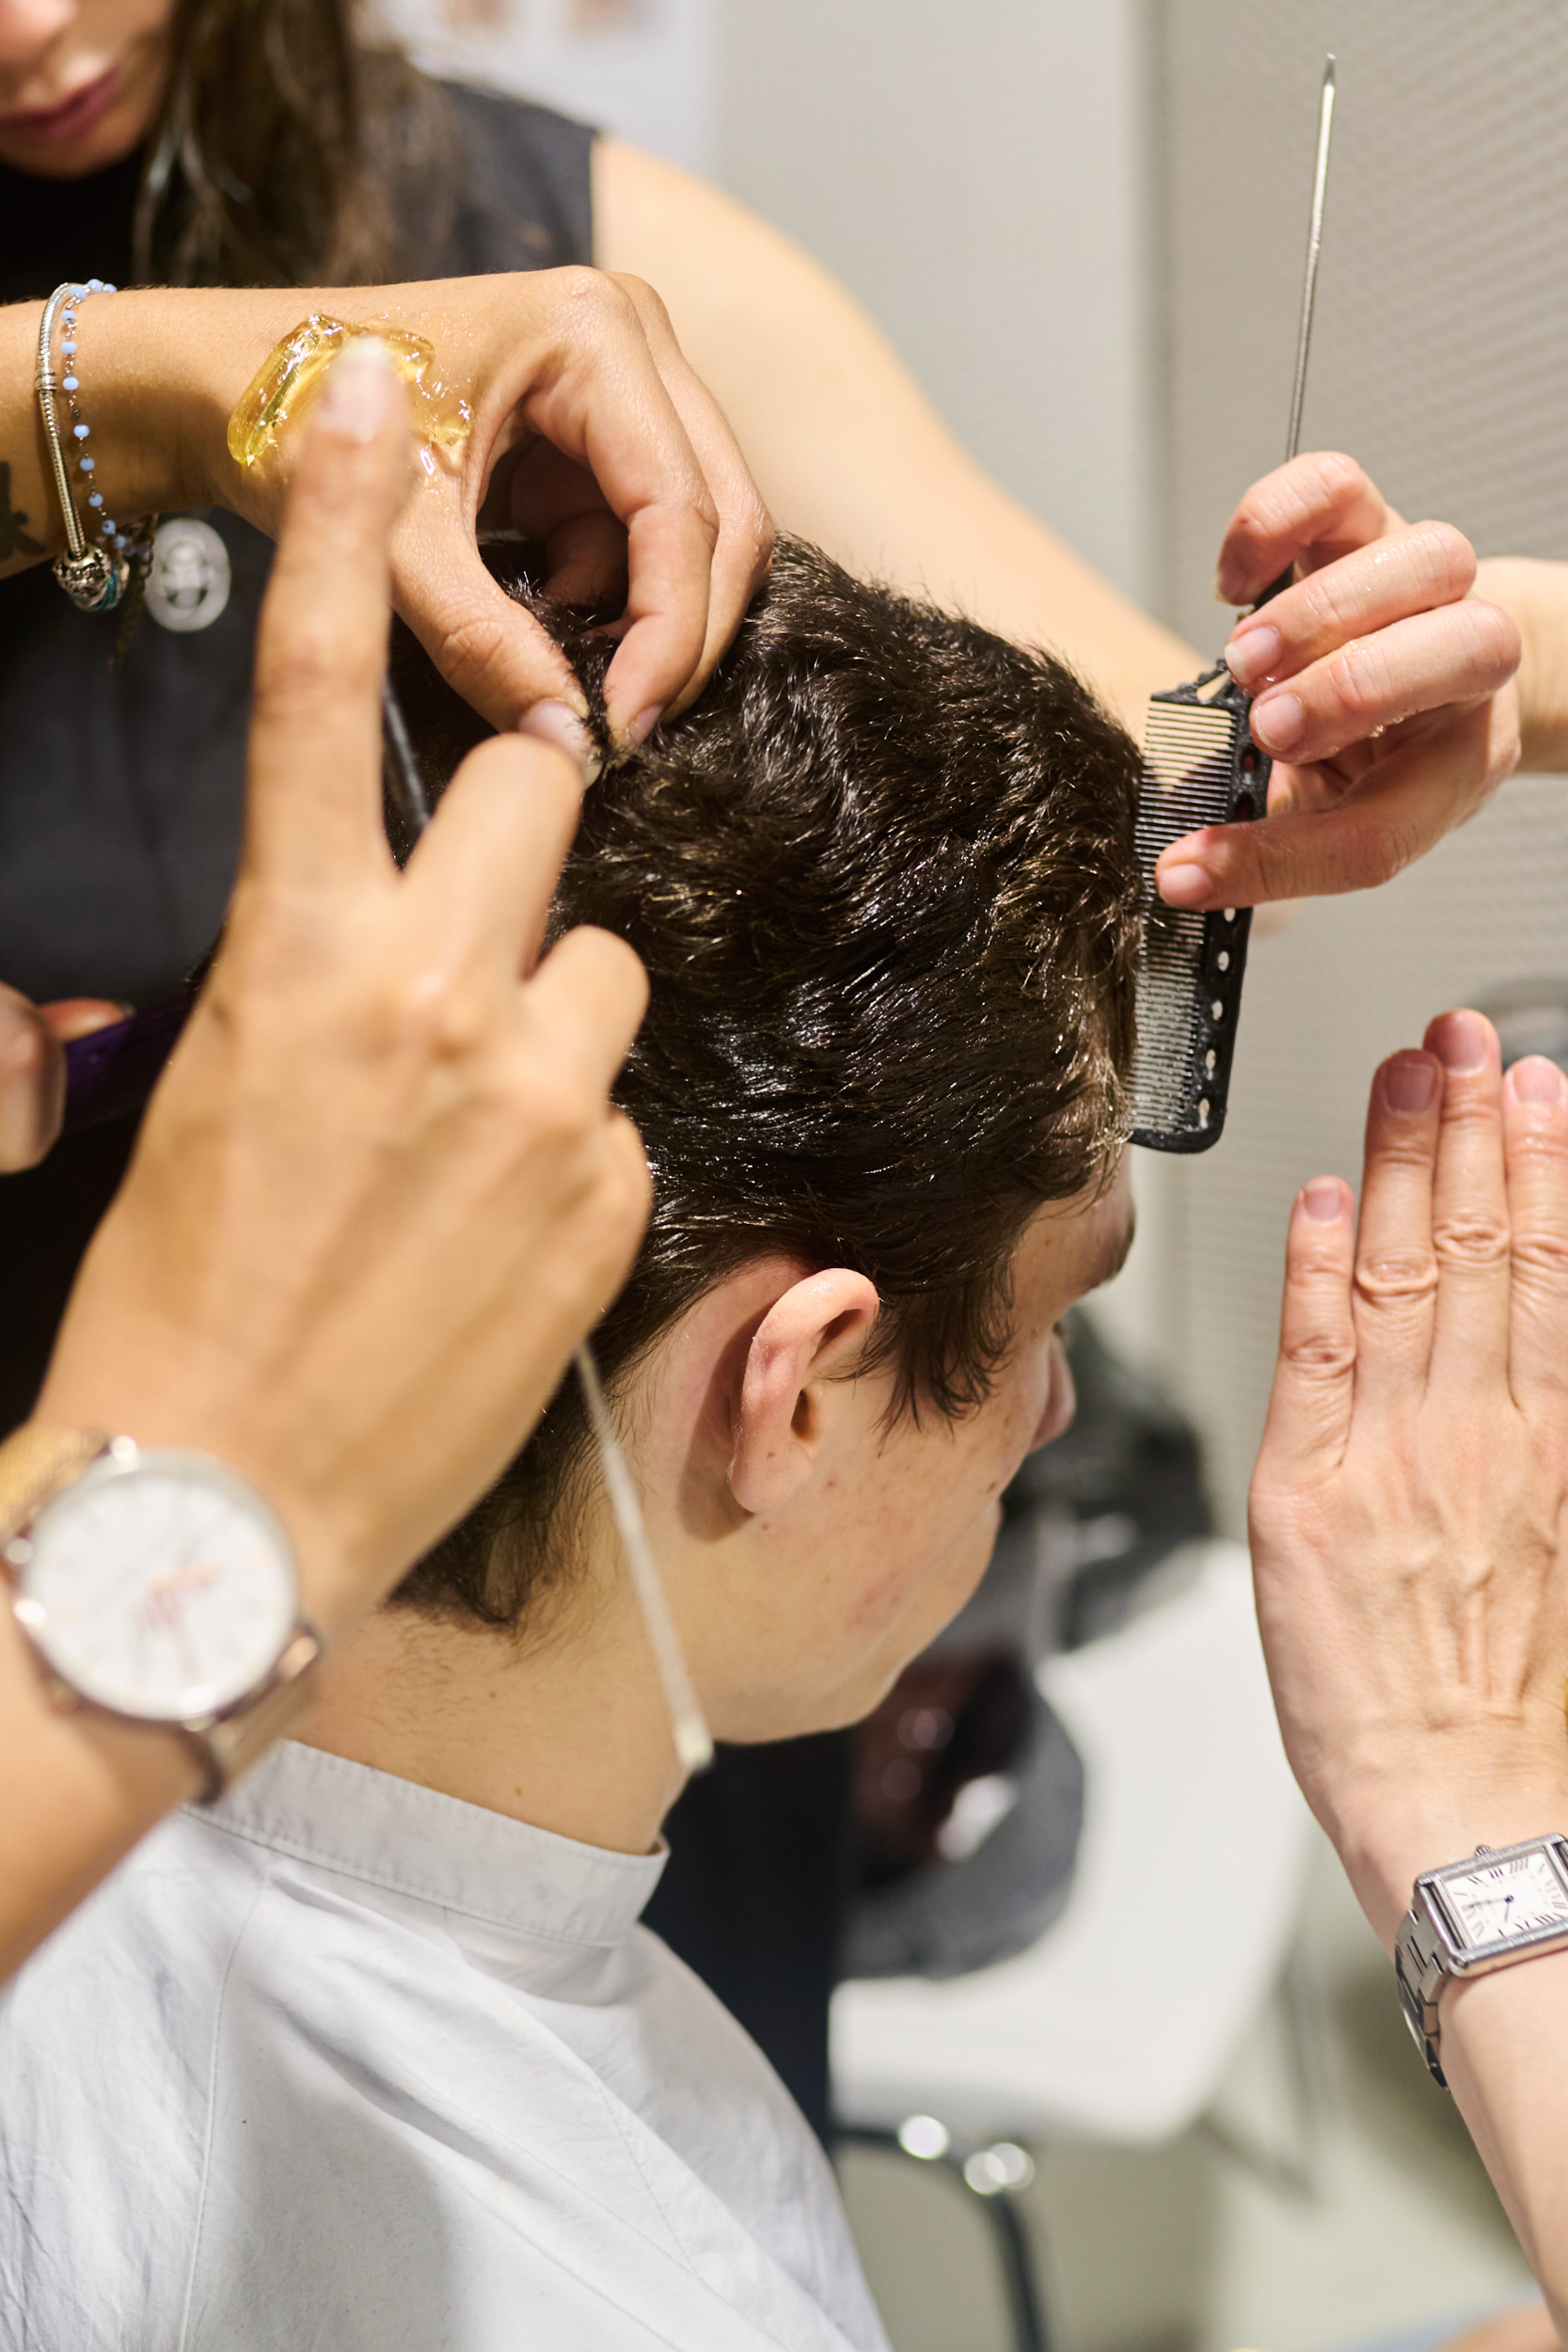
column 804, row 1345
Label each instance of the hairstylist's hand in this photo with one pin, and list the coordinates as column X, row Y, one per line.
column 32, row 1068
column 380, row 1194
column 1383, row 691
column 591, row 435
column 1409, row 1510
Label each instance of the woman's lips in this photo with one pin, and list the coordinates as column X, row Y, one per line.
column 45, row 127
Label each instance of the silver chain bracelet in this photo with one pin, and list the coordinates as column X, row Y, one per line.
column 95, row 578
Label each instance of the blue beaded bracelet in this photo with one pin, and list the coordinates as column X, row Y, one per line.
column 95, row 578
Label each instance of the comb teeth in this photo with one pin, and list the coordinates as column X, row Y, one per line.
column 1199, row 768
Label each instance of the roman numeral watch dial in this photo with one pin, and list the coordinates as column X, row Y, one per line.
column 1499, row 1907
column 1511, row 1895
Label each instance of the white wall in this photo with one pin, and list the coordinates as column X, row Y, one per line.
column 976, row 174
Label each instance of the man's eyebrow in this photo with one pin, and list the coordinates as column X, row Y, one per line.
column 1116, row 1255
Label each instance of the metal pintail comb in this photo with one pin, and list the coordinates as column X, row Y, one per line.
column 1201, row 767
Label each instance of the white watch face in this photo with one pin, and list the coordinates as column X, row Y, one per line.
column 1516, row 1895
column 163, row 1589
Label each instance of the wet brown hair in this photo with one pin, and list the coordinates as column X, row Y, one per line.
column 882, row 878
column 278, row 148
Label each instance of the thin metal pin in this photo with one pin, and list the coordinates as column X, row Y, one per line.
column 408, row 792
column 693, row 1738
column 693, row 1741
column 1314, row 242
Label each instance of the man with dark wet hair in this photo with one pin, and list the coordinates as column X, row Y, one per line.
column 394, row 2054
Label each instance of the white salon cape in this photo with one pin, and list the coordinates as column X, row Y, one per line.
column 344, row 2065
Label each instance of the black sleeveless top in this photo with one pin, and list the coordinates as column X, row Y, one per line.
column 121, row 789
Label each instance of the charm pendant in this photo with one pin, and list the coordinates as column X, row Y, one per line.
column 95, row 580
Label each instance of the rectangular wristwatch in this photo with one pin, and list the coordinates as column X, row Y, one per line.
column 1504, row 1904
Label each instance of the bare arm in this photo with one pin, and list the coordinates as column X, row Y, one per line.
column 590, row 434
column 1409, row 1522
column 381, row 1192
column 1405, row 658
column 846, row 447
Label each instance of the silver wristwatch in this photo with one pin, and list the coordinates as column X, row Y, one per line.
column 158, row 1588
column 1506, row 1903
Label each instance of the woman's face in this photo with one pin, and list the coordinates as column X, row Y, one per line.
column 80, row 81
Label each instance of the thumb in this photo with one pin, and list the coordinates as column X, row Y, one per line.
column 487, row 648
column 32, row 1083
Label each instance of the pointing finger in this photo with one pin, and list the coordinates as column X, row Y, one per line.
column 314, row 791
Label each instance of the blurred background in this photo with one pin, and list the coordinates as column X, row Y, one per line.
column 1082, row 222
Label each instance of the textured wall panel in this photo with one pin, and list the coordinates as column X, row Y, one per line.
column 1439, row 358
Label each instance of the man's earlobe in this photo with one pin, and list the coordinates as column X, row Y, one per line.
column 807, row 1342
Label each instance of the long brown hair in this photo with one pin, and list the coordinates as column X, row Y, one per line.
column 280, row 149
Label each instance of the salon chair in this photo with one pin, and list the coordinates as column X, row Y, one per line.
column 1120, row 2024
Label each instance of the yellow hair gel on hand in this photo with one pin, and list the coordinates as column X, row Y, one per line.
column 295, row 369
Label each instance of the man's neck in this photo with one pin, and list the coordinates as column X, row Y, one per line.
column 567, row 1731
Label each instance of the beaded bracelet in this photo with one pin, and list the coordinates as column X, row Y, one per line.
column 96, row 579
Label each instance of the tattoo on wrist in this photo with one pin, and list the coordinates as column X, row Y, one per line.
column 13, row 539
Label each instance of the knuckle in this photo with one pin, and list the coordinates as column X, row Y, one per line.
column 1319, row 1356
column 1339, row 478
column 1395, row 1278
column 470, row 648
column 1444, row 558
column 299, row 666
column 1496, row 646
column 1541, row 1258
column 1359, row 682
column 644, row 299
column 1471, row 1241
column 1375, row 853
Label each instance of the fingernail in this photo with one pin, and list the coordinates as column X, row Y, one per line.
column 644, row 724
column 555, row 722
column 1278, row 721
column 1182, row 885
column 1538, row 1080
column 362, row 391
column 1324, row 1199
column 1227, row 585
column 1462, row 1043
column 1408, row 1082
column 1253, row 655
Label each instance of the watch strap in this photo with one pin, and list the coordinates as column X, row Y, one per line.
column 1426, row 1958
column 1421, row 1972
column 38, row 1462
column 228, row 1745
